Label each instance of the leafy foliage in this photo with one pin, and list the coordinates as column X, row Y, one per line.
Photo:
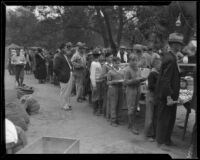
column 48, row 26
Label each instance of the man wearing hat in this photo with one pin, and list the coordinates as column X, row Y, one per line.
column 19, row 62
column 150, row 56
column 122, row 54
column 63, row 70
column 167, row 91
column 79, row 65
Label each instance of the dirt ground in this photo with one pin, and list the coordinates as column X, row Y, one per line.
column 96, row 135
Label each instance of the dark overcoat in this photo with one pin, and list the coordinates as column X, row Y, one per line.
column 61, row 68
column 40, row 70
column 168, row 83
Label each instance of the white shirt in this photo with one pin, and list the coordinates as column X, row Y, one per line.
column 18, row 59
column 95, row 72
column 124, row 57
column 11, row 132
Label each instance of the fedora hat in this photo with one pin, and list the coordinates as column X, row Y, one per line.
column 176, row 38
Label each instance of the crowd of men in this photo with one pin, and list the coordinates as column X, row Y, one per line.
column 101, row 76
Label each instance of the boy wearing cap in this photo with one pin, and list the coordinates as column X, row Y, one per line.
column 167, row 91
column 132, row 81
column 96, row 81
column 115, row 91
column 79, row 65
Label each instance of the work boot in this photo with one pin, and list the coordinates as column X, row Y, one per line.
column 134, row 131
column 114, row 124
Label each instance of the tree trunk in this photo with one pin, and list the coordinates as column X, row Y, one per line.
column 102, row 26
column 119, row 35
column 107, row 21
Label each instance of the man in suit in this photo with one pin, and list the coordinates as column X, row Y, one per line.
column 63, row 70
column 167, row 92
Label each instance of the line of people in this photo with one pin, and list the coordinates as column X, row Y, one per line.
column 102, row 77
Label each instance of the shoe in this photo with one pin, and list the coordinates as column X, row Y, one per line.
column 150, row 139
column 83, row 98
column 79, row 100
column 164, row 147
column 67, row 108
column 134, row 131
column 98, row 113
column 113, row 124
column 171, row 143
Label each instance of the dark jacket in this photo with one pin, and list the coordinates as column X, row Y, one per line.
column 40, row 70
column 61, row 68
column 194, row 97
column 168, row 83
column 152, row 79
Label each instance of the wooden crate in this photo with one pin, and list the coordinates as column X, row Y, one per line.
column 52, row 145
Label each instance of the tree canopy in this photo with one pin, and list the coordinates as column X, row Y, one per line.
column 109, row 26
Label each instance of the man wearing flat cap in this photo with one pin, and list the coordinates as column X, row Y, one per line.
column 79, row 69
column 167, row 91
column 122, row 54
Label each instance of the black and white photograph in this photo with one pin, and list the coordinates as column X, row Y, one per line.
column 101, row 78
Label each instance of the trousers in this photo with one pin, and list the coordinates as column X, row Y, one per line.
column 115, row 98
column 65, row 91
column 132, row 98
column 19, row 73
column 165, row 122
column 79, row 82
column 150, row 115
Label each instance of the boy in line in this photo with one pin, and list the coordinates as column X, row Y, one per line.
column 151, row 107
column 132, row 80
column 115, row 91
column 96, row 81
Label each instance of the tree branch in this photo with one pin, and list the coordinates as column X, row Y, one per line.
column 107, row 20
column 84, row 27
column 119, row 34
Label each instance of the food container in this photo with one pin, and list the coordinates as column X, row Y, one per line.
column 145, row 72
column 52, row 145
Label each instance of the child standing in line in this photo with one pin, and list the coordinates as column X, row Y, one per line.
column 115, row 91
column 132, row 80
column 105, row 69
column 151, row 107
column 96, row 81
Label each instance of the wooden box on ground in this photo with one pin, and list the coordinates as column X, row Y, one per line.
column 52, row 145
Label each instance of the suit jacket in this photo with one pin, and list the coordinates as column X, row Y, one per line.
column 168, row 83
column 61, row 68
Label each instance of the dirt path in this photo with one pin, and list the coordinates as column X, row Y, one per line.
column 95, row 133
